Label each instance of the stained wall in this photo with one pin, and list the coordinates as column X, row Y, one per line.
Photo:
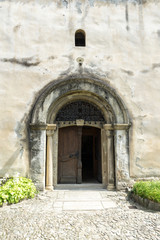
column 122, row 49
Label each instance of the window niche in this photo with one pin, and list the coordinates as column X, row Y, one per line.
column 80, row 38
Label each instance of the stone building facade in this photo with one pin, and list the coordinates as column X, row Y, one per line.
column 80, row 91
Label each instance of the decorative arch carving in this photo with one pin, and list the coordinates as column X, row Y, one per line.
column 56, row 94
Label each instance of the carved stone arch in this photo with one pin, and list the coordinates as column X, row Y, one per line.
column 106, row 109
column 55, row 90
column 114, row 131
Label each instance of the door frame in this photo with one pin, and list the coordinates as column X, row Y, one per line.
column 108, row 146
column 79, row 160
column 114, row 133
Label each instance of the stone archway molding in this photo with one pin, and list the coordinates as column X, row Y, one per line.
column 90, row 88
column 114, row 134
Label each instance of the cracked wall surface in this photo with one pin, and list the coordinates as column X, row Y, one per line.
column 122, row 49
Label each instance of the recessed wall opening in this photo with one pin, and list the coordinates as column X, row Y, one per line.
column 91, row 155
column 87, row 158
column 80, row 40
column 73, row 105
column 79, row 155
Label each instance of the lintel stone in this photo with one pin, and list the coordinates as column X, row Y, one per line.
column 116, row 126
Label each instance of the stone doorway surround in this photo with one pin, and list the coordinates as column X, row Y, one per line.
column 114, row 132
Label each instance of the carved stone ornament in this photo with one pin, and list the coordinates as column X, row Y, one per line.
column 79, row 122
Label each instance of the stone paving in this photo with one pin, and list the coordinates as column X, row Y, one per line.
column 81, row 214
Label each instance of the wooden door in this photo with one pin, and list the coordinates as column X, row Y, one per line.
column 69, row 155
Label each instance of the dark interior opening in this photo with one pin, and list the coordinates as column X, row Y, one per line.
column 91, row 155
column 87, row 158
column 80, row 39
column 79, row 155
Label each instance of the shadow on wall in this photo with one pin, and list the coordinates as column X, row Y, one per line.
column 7, row 168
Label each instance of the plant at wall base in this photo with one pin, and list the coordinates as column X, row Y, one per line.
column 148, row 189
column 3, row 181
column 16, row 189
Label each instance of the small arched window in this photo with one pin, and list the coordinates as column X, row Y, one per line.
column 80, row 38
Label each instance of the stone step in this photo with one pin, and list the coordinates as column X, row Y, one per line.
column 83, row 186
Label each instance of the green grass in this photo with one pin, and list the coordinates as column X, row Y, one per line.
column 148, row 189
column 16, row 189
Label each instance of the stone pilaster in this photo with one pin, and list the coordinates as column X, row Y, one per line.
column 49, row 162
column 38, row 155
column 117, row 155
column 110, row 158
column 121, row 158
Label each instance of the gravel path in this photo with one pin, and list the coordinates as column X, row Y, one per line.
column 38, row 219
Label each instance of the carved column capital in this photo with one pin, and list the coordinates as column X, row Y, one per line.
column 50, row 129
column 50, row 133
column 109, row 133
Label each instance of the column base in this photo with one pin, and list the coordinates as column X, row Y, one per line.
column 110, row 187
column 49, row 188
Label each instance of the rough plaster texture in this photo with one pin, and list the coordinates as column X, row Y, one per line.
column 122, row 174
column 38, row 141
column 122, row 49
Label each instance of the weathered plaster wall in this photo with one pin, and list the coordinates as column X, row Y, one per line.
column 122, row 48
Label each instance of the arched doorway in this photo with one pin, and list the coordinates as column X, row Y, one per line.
column 79, row 147
column 107, row 118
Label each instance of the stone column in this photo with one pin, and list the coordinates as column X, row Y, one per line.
column 110, row 173
column 110, row 160
column 55, row 158
column 49, row 162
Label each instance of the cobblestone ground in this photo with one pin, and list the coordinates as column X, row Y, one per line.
column 37, row 219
